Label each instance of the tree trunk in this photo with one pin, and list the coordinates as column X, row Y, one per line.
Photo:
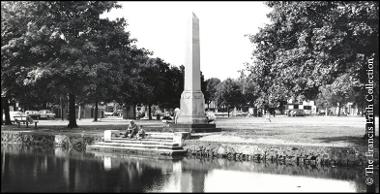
column 79, row 111
column 2, row 107
column 6, row 112
column 62, row 111
column 134, row 111
column 125, row 112
column 339, row 107
column 228, row 112
column 326, row 113
column 72, row 119
column 150, row 111
column 96, row 111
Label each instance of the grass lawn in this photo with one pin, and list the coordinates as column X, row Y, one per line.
column 318, row 130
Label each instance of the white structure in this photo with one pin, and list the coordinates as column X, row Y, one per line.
column 308, row 107
column 109, row 134
column 192, row 99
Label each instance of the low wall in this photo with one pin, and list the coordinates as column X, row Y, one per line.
column 66, row 141
column 310, row 155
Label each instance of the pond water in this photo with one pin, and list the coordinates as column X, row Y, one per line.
column 35, row 169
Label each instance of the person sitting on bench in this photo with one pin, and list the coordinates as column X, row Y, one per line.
column 132, row 130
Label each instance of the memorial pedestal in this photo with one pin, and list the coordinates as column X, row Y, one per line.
column 194, row 128
column 192, row 117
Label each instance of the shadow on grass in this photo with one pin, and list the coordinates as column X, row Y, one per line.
column 63, row 127
column 356, row 141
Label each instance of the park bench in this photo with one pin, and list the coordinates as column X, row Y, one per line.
column 25, row 120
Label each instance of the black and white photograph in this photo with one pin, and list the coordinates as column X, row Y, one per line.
column 189, row 96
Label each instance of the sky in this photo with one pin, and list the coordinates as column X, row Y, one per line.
column 161, row 27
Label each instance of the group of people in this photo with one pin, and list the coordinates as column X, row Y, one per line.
column 134, row 130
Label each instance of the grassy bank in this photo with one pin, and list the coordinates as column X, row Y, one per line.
column 332, row 139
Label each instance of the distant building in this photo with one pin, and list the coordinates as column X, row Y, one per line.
column 308, row 107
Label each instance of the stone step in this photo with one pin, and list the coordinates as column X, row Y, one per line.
column 149, row 136
column 147, row 146
column 156, row 134
column 144, row 141
column 159, row 137
column 152, row 137
column 168, row 134
column 135, row 150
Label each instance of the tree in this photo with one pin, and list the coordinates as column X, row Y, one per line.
column 230, row 94
column 154, row 83
column 309, row 45
column 66, row 42
column 20, row 56
column 132, row 86
column 102, row 86
column 83, row 48
column 338, row 93
column 113, row 52
column 14, row 19
column 175, row 86
column 251, row 93
column 210, row 93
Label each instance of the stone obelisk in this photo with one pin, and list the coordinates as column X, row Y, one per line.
column 192, row 99
column 192, row 117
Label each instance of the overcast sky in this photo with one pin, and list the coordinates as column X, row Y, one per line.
column 160, row 27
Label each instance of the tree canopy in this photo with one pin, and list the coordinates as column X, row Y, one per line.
column 309, row 45
column 229, row 94
column 210, row 92
column 67, row 45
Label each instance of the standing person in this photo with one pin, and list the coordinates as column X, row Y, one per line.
column 267, row 115
column 176, row 114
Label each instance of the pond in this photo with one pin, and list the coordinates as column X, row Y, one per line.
column 36, row 169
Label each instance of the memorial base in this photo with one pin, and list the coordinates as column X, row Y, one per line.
column 194, row 128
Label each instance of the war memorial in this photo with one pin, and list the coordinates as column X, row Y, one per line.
column 261, row 153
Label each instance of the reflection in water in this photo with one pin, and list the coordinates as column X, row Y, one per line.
column 107, row 163
column 236, row 181
column 61, row 171
column 183, row 180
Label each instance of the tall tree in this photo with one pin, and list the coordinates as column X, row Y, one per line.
column 112, row 46
column 211, row 90
column 15, row 17
column 154, row 82
column 69, row 43
column 132, row 85
column 175, row 86
column 230, row 94
column 338, row 93
column 309, row 45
